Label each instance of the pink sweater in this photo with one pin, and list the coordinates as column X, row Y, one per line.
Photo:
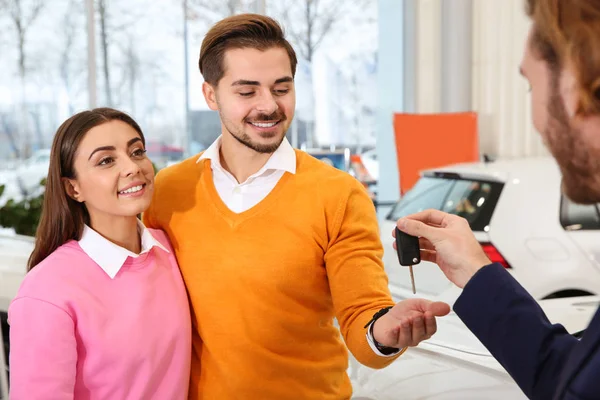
column 77, row 333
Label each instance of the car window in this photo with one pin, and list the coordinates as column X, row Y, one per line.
column 427, row 193
column 579, row 216
column 472, row 199
column 467, row 199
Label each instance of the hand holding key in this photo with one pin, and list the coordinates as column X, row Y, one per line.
column 409, row 253
column 448, row 241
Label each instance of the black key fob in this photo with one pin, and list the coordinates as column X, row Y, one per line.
column 407, row 247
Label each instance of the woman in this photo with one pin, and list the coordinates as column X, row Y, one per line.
column 103, row 312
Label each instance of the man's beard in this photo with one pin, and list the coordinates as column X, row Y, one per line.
column 245, row 139
column 579, row 166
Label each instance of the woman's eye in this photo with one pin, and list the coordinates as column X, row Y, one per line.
column 106, row 161
column 138, row 153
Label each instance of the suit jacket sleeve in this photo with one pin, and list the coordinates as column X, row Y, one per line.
column 513, row 327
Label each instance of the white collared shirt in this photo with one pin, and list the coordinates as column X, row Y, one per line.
column 239, row 197
column 109, row 256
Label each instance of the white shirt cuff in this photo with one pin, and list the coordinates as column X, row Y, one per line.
column 371, row 341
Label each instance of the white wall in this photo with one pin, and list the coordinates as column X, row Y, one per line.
column 429, row 56
column 499, row 94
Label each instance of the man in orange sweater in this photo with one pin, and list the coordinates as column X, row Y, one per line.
column 274, row 244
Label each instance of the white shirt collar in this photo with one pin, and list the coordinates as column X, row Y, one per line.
column 283, row 159
column 109, row 256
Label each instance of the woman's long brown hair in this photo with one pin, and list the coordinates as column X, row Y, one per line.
column 62, row 217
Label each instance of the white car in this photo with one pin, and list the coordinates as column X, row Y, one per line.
column 518, row 214
column 454, row 365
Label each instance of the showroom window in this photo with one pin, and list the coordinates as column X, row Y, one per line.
column 141, row 57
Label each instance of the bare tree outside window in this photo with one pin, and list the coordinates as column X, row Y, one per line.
column 22, row 14
column 104, row 49
column 71, row 63
column 308, row 24
column 210, row 11
column 122, row 64
column 111, row 31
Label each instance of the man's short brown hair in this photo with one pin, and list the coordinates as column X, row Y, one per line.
column 238, row 32
column 566, row 33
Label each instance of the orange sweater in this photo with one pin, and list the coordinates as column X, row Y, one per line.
column 266, row 284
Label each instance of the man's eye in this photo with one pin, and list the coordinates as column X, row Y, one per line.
column 246, row 94
column 282, row 92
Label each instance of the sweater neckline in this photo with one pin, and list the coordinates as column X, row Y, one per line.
column 233, row 217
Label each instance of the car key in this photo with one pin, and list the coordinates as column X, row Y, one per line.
column 409, row 253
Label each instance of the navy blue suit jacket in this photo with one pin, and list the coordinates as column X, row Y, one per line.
column 546, row 362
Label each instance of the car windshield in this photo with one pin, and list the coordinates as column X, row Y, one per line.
column 474, row 200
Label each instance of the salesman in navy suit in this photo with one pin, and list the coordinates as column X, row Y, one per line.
column 562, row 64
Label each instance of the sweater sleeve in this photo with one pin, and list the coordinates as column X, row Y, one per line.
column 43, row 351
column 149, row 217
column 357, row 279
